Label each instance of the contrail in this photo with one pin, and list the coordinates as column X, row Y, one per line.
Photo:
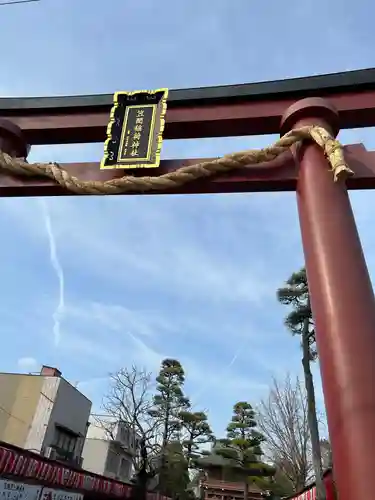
column 155, row 356
column 224, row 371
column 60, row 309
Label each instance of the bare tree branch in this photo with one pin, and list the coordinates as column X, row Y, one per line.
column 129, row 400
column 282, row 418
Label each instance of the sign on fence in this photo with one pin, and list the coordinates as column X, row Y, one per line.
column 52, row 494
column 10, row 490
column 30, row 466
column 135, row 130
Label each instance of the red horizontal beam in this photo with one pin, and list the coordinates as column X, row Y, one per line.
column 278, row 175
column 214, row 120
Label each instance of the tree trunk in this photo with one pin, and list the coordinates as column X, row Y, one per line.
column 162, row 470
column 311, row 413
column 189, row 449
column 246, row 490
column 140, row 487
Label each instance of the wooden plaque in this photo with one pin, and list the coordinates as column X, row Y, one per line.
column 135, row 129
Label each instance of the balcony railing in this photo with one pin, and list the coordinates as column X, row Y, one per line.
column 218, row 484
column 67, row 456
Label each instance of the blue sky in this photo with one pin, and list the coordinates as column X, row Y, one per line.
column 93, row 284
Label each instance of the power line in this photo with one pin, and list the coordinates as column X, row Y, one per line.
column 17, row 1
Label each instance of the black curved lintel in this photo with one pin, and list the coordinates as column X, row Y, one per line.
column 319, row 85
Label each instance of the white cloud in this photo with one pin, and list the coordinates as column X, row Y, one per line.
column 107, row 336
column 115, row 317
column 225, row 386
column 114, row 334
column 28, row 364
column 93, row 388
column 164, row 248
column 81, row 347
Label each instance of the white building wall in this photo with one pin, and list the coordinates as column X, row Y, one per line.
column 119, row 463
column 94, row 455
column 109, row 453
column 97, row 430
column 47, row 399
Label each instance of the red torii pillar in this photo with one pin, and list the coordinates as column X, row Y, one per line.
column 341, row 295
column 343, row 306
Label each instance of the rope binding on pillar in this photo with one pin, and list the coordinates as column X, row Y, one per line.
column 332, row 149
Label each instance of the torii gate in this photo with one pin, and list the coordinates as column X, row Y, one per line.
column 341, row 292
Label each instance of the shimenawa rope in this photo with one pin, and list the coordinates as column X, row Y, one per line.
column 333, row 151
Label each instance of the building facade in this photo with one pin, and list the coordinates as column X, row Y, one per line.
column 109, row 450
column 215, row 489
column 221, row 480
column 44, row 413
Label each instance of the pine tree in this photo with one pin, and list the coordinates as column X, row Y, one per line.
column 242, row 447
column 299, row 321
column 168, row 403
column 198, row 432
column 175, row 474
column 277, row 486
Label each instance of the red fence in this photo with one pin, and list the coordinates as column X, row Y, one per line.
column 23, row 465
column 309, row 493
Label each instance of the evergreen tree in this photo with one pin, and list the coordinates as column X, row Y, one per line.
column 300, row 322
column 168, row 403
column 242, row 447
column 278, row 486
column 198, row 432
column 175, row 474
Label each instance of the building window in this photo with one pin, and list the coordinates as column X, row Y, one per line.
column 113, row 461
column 124, row 435
column 125, row 469
column 64, row 441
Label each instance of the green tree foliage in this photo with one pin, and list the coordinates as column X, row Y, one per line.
column 169, row 400
column 295, row 294
column 175, row 478
column 242, row 446
column 168, row 403
column 197, row 432
column 279, row 485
